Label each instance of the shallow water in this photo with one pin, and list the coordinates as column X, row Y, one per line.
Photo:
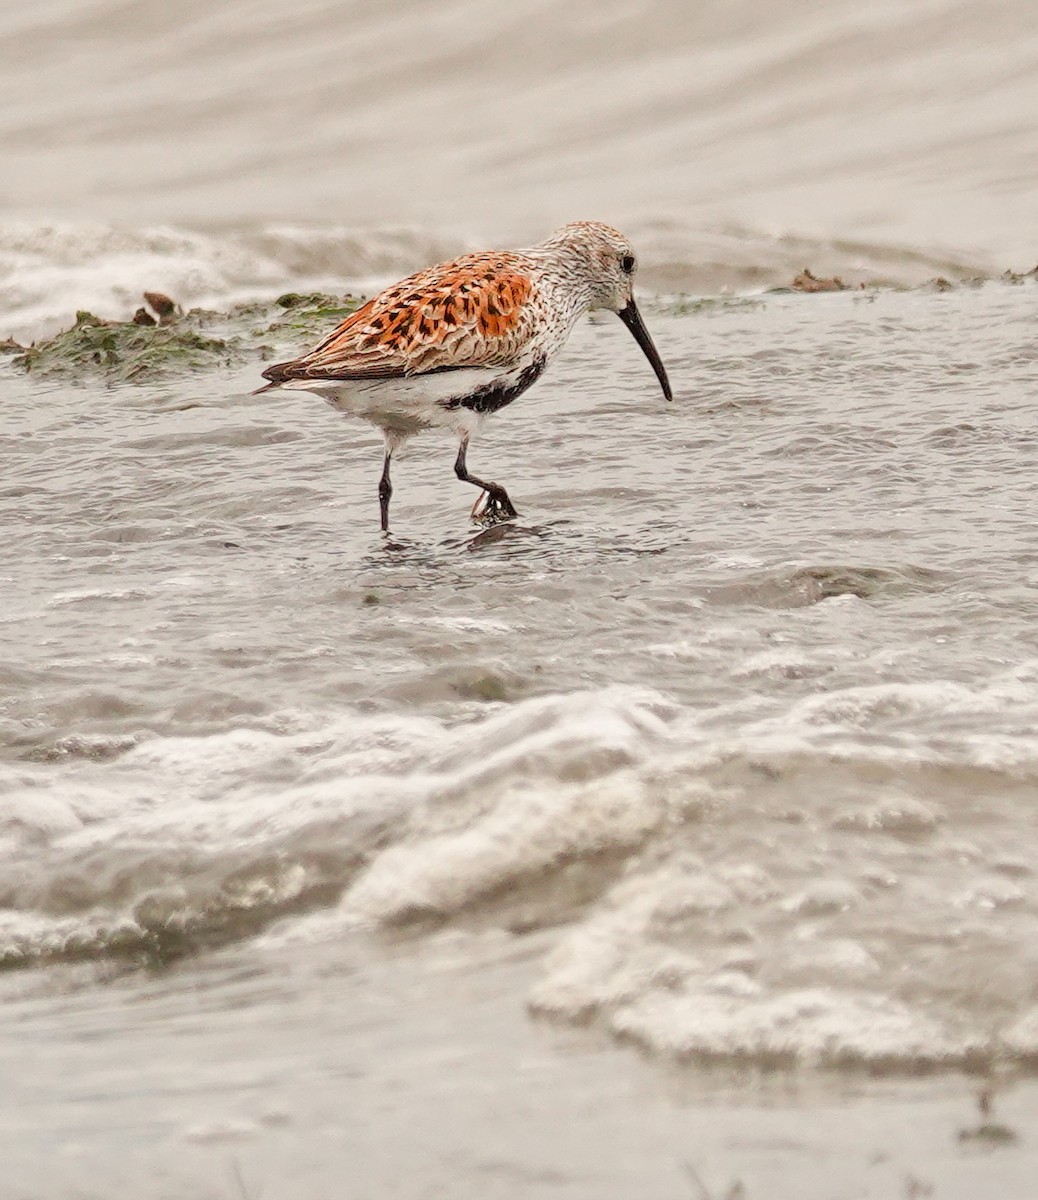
column 727, row 745
column 676, row 838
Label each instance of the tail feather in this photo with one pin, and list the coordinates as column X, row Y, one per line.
column 277, row 373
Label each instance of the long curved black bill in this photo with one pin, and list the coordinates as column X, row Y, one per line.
column 632, row 318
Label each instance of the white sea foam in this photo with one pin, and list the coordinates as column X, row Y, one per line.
column 49, row 271
column 701, row 932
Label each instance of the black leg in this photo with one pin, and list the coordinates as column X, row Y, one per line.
column 498, row 506
column 385, row 490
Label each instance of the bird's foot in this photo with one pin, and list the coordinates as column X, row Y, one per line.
column 493, row 507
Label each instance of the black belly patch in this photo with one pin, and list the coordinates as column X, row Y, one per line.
column 492, row 396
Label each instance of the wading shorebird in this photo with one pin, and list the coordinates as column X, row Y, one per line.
column 449, row 345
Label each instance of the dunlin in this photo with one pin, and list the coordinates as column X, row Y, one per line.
column 450, row 345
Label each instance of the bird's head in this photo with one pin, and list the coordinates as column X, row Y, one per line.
column 610, row 264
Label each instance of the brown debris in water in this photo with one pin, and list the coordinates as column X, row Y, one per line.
column 1019, row 276
column 807, row 281
column 167, row 309
column 161, row 310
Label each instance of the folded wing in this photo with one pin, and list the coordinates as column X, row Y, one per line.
column 473, row 312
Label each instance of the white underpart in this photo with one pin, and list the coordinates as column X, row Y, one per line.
column 405, row 406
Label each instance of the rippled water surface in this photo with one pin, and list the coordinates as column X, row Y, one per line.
column 675, row 840
column 726, row 748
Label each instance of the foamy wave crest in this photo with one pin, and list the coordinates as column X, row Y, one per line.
column 49, row 272
column 179, row 843
column 709, row 896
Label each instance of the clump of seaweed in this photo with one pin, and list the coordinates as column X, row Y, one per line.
column 312, row 313
column 122, row 350
column 160, row 338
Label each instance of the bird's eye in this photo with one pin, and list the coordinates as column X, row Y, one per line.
column 627, row 263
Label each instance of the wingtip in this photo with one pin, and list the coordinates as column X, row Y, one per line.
column 276, row 373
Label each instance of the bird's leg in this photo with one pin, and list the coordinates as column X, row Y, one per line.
column 498, row 506
column 385, row 490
